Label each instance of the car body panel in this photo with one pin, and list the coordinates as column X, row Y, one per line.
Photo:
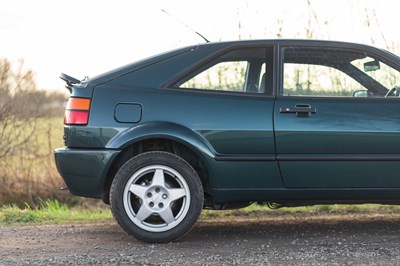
column 203, row 131
column 357, row 140
column 142, row 64
column 84, row 171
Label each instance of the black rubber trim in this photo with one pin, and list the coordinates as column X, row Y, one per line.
column 365, row 158
column 246, row 158
column 289, row 158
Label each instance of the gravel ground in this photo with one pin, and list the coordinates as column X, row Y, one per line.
column 279, row 240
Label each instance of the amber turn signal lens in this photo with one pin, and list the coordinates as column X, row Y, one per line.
column 78, row 104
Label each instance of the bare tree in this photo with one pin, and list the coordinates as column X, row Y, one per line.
column 18, row 107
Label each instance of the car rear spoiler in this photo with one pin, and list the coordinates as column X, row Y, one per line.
column 69, row 80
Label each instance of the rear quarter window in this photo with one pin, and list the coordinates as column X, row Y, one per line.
column 243, row 70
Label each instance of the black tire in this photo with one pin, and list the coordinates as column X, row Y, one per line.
column 156, row 197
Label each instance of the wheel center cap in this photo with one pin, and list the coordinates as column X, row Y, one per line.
column 157, row 198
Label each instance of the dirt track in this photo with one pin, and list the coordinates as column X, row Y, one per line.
column 282, row 240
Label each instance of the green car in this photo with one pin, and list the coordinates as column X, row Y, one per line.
column 223, row 125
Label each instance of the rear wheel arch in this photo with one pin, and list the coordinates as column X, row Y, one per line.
column 190, row 154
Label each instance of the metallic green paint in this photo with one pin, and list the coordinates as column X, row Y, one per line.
column 89, row 137
column 246, row 175
column 84, row 171
column 341, row 127
column 128, row 112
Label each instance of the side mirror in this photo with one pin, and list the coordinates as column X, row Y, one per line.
column 360, row 93
column 371, row 66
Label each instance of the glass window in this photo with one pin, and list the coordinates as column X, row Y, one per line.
column 336, row 72
column 240, row 70
column 229, row 76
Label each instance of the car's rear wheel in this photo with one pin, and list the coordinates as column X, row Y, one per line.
column 156, row 197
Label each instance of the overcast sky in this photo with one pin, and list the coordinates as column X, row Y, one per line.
column 85, row 38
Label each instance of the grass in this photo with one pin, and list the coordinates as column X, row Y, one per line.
column 54, row 212
column 51, row 212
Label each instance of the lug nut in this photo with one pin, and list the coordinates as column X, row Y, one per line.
column 151, row 204
column 158, row 190
column 149, row 195
column 164, row 196
column 160, row 205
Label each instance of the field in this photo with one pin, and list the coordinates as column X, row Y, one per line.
column 28, row 172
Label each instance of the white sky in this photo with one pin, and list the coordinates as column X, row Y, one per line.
column 86, row 37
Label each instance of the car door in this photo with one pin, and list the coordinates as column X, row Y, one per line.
column 327, row 136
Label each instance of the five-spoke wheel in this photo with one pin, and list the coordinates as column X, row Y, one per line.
column 156, row 196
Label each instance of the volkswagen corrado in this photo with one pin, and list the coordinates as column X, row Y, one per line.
column 223, row 125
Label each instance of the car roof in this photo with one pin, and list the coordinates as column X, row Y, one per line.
column 285, row 42
column 213, row 47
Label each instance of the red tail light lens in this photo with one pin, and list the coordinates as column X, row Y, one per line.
column 77, row 111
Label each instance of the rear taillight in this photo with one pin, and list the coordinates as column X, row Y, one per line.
column 77, row 111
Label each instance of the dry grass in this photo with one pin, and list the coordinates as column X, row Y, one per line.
column 28, row 172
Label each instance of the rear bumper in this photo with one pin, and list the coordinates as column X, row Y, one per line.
column 84, row 171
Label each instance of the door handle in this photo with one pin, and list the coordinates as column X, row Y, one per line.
column 299, row 110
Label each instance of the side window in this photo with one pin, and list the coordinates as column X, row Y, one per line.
column 229, row 76
column 240, row 70
column 315, row 80
column 336, row 72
